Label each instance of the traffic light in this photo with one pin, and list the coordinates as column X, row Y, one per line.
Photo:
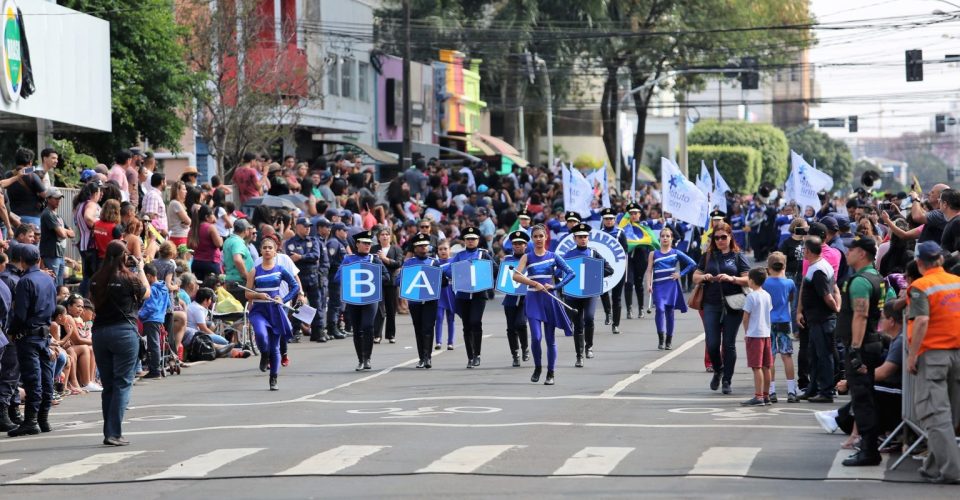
column 915, row 65
column 750, row 73
column 852, row 123
column 940, row 124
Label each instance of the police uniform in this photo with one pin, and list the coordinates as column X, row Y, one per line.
column 9, row 366
column 470, row 306
column 308, row 248
column 582, row 316
column 636, row 269
column 336, row 251
column 35, row 300
column 361, row 317
column 323, row 277
column 423, row 314
column 513, row 307
column 616, row 293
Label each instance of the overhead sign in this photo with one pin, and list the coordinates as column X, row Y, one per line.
column 608, row 247
column 360, row 284
column 832, row 122
column 420, row 283
column 505, row 281
column 11, row 55
column 472, row 276
column 587, row 280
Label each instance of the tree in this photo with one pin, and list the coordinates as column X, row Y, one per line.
column 150, row 82
column 832, row 155
column 254, row 89
column 767, row 139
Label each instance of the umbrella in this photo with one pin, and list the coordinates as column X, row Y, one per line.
column 297, row 199
column 271, row 201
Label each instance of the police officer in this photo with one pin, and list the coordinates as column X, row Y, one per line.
column 6, row 303
column 513, row 304
column 337, row 250
column 9, row 366
column 304, row 251
column 636, row 266
column 609, row 226
column 863, row 295
column 35, row 300
column 423, row 314
column 323, row 275
column 470, row 306
column 583, row 307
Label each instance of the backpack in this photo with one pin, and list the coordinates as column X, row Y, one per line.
column 202, row 348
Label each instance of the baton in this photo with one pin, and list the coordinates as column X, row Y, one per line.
column 562, row 303
column 254, row 291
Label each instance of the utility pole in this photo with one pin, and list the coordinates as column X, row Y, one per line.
column 682, row 155
column 720, row 100
column 406, row 153
column 548, row 96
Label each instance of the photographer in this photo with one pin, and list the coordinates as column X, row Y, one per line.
column 118, row 290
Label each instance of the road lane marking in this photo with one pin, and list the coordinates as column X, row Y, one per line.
column 332, row 461
column 201, row 465
column 593, row 461
column 650, row 367
column 725, row 461
column 468, row 458
column 77, row 468
column 838, row 471
column 8, row 461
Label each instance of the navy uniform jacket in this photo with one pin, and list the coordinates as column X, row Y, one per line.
column 6, row 306
column 617, row 233
column 309, row 250
column 417, row 261
column 512, row 300
column 34, row 302
column 323, row 265
column 475, row 254
column 589, row 252
column 369, row 258
column 336, row 251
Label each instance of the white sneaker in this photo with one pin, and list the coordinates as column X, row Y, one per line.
column 827, row 421
column 93, row 387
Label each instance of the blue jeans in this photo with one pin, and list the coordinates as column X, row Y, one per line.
column 821, row 357
column 720, row 324
column 36, row 371
column 115, row 348
column 55, row 264
column 89, row 263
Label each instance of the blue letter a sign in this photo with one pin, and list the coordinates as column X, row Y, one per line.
column 420, row 283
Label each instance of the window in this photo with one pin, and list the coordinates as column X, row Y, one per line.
column 794, row 73
column 346, row 77
column 333, row 76
column 363, row 70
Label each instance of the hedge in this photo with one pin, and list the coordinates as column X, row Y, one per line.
column 740, row 166
column 770, row 141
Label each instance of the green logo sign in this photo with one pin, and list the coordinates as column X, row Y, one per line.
column 12, row 60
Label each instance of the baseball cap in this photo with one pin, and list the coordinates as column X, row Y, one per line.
column 817, row 229
column 53, row 193
column 303, row 221
column 338, row 226
column 868, row 245
column 482, row 211
column 87, row 175
column 928, row 251
column 830, row 223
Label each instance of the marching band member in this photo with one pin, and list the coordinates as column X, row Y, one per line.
column 470, row 306
column 513, row 305
column 663, row 284
column 361, row 317
column 524, row 217
column 267, row 317
column 584, row 307
column 609, row 226
column 423, row 314
column 447, row 305
column 543, row 311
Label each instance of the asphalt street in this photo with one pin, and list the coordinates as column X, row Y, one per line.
column 634, row 421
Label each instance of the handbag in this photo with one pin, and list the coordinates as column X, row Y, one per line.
column 737, row 300
column 696, row 298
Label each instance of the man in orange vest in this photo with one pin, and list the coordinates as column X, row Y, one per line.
column 934, row 307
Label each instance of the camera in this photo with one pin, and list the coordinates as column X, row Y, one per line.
column 800, row 231
column 131, row 262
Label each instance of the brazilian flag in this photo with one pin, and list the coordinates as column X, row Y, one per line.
column 638, row 234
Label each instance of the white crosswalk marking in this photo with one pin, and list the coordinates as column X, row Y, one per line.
column 201, row 465
column 838, row 471
column 78, row 468
column 468, row 458
column 593, row 461
column 8, row 460
column 332, row 461
column 726, row 461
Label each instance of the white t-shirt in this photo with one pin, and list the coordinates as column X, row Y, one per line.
column 759, row 305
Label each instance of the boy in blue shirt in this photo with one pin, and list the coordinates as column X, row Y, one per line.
column 781, row 290
column 152, row 315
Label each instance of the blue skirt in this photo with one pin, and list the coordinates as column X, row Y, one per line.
column 541, row 307
column 668, row 294
column 447, row 300
column 270, row 318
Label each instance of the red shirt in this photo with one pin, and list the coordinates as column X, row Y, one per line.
column 103, row 234
column 248, row 186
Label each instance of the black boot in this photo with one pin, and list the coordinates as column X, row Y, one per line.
column 629, row 312
column 549, row 379
column 264, row 361
column 43, row 421
column 335, row 332
column 669, row 344
column 13, row 411
column 273, row 383
column 6, row 425
column 660, row 343
column 607, row 320
column 29, row 426
column 536, row 375
column 516, row 359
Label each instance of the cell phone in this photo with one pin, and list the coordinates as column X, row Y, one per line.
column 29, row 170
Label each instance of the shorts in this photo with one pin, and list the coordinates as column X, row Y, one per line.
column 758, row 352
column 781, row 340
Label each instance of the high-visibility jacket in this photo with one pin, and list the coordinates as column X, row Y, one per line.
column 943, row 293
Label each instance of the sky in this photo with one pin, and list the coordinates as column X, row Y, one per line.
column 876, row 89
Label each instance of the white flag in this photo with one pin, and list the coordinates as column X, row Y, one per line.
column 719, row 192
column 818, row 180
column 704, row 182
column 681, row 197
column 798, row 186
column 577, row 192
column 599, row 177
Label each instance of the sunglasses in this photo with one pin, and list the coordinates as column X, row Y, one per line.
column 424, row 227
column 721, row 237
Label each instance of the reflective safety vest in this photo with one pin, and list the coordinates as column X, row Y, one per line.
column 943, row 293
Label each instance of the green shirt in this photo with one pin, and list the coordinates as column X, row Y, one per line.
column 861, row 288
column 232, row 246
